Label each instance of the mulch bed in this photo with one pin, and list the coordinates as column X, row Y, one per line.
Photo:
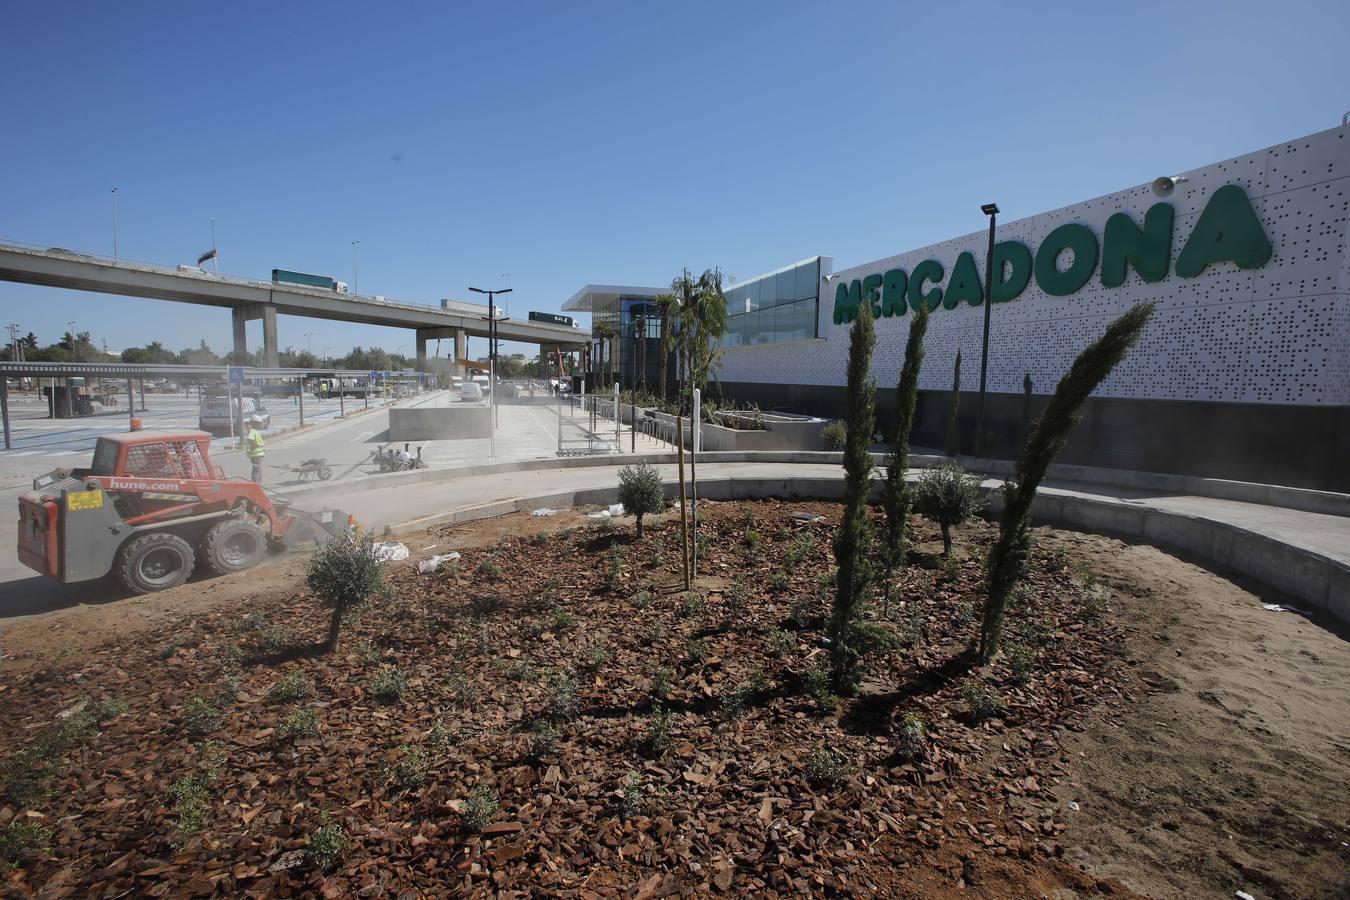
column 740, row 802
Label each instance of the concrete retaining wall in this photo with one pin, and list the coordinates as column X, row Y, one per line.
column 444, row 423
column 1315, row 580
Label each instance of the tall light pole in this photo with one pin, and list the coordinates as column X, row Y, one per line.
column 990, row 210
column 309, row 342
column 215, row 254
column 492, row 362
column 114, row 198
column 355, row 284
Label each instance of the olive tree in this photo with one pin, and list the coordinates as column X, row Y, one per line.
column 949, row 495
column 345, row 573
column 641, row 491
column 1008, row 558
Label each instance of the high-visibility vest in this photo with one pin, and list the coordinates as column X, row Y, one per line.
column 253, row 444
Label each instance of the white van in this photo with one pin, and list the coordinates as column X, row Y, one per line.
column 470, row 391
column 214, row 414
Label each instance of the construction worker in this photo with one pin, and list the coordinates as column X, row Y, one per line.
column 254, row 448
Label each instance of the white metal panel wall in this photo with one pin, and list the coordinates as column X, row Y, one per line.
column 1279, row 334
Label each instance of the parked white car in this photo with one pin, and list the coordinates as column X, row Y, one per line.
column 214, row 414
column 471, row 391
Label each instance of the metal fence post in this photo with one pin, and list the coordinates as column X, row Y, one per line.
column 300, row 386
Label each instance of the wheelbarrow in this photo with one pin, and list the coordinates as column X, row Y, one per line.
column 305, row 468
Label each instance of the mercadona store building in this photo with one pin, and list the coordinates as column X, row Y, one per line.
column 1243, row 372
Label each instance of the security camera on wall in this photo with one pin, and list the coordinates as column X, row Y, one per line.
column 1165, row 185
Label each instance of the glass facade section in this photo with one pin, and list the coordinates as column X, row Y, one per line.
column 618, row 347
column 775, row 308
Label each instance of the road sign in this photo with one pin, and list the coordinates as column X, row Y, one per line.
column 374, row 376
column 236, row 374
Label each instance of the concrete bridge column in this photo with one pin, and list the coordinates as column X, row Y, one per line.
column 455, row 335
column 241, row 315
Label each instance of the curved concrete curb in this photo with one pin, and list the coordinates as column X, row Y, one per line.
column 1319, row 581
column 1323, row 502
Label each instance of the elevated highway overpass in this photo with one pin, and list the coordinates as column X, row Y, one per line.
column 247, row 300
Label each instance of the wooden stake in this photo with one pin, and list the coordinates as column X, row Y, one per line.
column 684, row 505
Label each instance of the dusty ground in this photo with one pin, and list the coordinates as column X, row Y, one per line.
column 1234, row 774
column 1218, row 763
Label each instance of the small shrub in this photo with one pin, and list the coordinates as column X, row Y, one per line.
column 290, row 689
column 441, row 737
column 519, row 670
column 910, row 741
column 654, row 633
column 818, row 686
column 801, row 611
column 368, row 653
column 1095, row 602
column 799, row 550
column 21, row 837
column 388, row 685
column 326, row 846
column 596, row 657
column 781, row 642
column 735, row 604
column 614, row 570
column 696, row 653
column 170, row 647
column 915, row 624
column 1021, row 660
column 737, row 701
column 563, row 701
column 641, row 492
column 779, row 581
column 479, row 810
column 965, row 613
column 301, row 723
column 657, row 739
column 488, row 570
column 951, row 570
column 835, row 434
column 630, row 803
column 543, row 739
column 190, row 799
column 642, row 599
column 692, row 605
column 409, row 768
column 827, row 767
column 272, row 640
column 983, row 702
column 661, row 682
column 105, row 710
column 948, row 495
column 563, row 620
column 458, row 688
column 200, row 717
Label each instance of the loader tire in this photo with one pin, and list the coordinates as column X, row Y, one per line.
column 233, row 546
column 325, row 473
column 155, row 562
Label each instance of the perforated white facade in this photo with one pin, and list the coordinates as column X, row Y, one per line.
column 1279, row 334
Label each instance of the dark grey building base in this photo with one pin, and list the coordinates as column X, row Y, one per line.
column 1296, row 446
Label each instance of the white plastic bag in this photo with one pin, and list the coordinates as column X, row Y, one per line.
column 391, row 551
column 426, row 566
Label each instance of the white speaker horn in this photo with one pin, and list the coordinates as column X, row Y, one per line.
column 1165, row 185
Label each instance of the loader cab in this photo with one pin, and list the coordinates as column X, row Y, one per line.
column 151, row 454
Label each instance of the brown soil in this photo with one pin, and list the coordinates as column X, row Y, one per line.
column 1241, row 786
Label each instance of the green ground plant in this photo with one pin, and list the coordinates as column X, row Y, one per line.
column 949, row 495
column 641, row 492
column 345, row 574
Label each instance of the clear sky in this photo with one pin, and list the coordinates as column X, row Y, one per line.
column 579, row 142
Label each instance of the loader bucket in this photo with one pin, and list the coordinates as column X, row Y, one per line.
column 307, row 530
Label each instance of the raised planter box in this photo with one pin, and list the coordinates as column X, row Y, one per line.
column 780, row 432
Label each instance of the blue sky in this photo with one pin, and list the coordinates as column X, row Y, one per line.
column 606, row 142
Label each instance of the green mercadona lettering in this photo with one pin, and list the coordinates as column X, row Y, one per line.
column 1227, row 231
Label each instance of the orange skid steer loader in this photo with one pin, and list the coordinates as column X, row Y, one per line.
column 151, row 507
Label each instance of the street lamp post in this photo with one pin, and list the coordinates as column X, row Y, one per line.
column 990, row 210
column 492, row 363
column 114, row 198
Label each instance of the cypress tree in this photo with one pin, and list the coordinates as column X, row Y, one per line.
column 953, row 405
column 1007, row 559
column 853, row 539
column 896, row 494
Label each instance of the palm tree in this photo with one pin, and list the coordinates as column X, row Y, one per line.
column 605, row 332
column 665, row 306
